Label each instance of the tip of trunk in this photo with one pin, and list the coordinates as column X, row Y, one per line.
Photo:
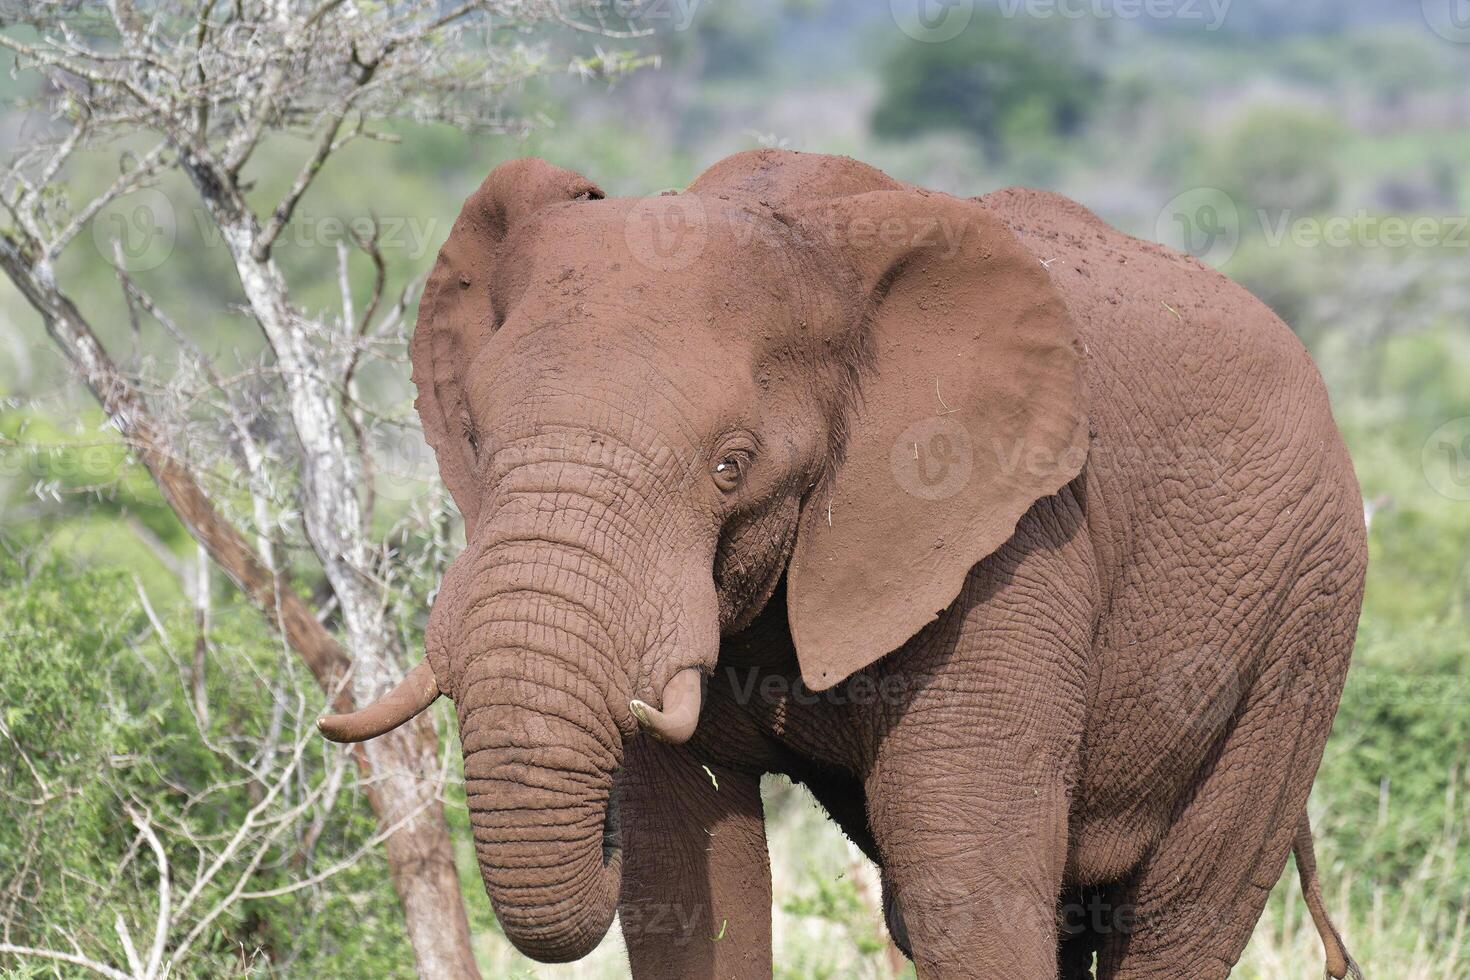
column 560, row 930
column 546, row 835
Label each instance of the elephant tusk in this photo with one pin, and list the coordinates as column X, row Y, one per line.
column 680, row 714
column 413, row 694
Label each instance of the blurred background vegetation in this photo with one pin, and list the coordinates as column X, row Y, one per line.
column 1289, row 144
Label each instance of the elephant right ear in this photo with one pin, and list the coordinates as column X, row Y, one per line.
column 457, row 316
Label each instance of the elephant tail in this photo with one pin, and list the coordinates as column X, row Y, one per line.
column 1339, row 963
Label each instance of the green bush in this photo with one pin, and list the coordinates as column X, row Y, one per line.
column 1280, row 159
column 98, row 722
column 1009, row 84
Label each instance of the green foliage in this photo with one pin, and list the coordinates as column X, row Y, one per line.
column 1008, row 84
column 1280, row 159
column 828, row 911
column 1418, row 600
column 72, row 491
column 83, row 459
column 99, row 723
column 1392, row 795
column 1398, row 765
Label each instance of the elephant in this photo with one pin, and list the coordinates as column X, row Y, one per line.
column 1030, row 548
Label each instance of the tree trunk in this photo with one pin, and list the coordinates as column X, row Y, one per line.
column 420, row 853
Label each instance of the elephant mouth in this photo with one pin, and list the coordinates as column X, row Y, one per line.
column 612, row 827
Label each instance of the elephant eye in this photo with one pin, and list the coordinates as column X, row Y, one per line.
column 467, row 427
column 729, row 472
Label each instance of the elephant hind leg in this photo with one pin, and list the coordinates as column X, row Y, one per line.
column 1191, row 907
column 1195, row 900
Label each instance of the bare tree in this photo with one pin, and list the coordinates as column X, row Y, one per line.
column 199, row 89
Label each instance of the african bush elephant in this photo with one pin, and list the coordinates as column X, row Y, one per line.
column 1030, row 548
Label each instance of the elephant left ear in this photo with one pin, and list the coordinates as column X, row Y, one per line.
column 970, row 409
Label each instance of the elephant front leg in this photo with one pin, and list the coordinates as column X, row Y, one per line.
column 973, row 877
column 696, row 896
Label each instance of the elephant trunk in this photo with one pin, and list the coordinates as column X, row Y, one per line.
column 570, row 610
column 535, row 675
column 544, row 826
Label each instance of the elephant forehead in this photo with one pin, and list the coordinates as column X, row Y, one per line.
column 608, row 367
column 680, row 260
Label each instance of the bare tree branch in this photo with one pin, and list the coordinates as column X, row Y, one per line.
column 75, row 959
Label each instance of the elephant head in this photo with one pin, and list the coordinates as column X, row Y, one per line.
column 649, row 412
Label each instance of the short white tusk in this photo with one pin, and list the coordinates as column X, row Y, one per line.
column 680, row 714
